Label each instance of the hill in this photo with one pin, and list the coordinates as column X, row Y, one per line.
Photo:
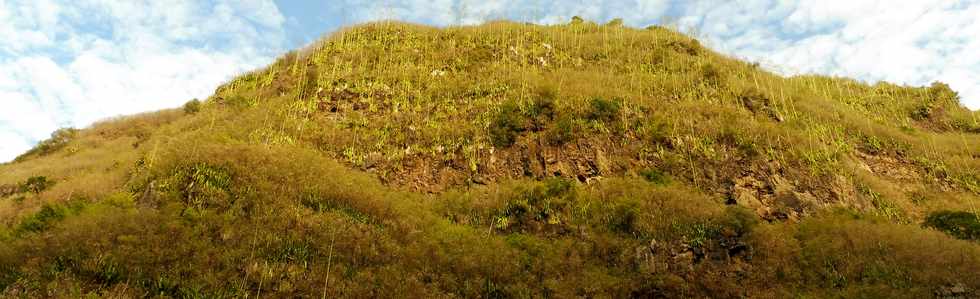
column 507, row 160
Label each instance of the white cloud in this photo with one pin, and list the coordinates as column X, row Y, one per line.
column 469, row 12
column 13, row 144
column 71, row 63
column 907, row 42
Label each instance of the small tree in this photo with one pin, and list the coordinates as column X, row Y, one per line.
column 193, row 106
column 35, row 184
column 59, row 139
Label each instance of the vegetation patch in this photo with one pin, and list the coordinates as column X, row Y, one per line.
column 541, row 209
column 47, row 217
column 655, row 176
column 201, row 186
column 321, row 203
column 58, row 140
column 192, row 106
column 36, row 184
column 508, row 123
column 959, row 224
column 604, row 110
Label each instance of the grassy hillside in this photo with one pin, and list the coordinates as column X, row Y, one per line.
column 507, row 160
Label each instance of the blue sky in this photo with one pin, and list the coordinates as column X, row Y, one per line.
column 71, row 63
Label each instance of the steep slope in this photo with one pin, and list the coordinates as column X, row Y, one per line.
column 507, row 160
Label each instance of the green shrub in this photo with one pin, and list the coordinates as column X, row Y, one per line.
column 617, row 22
column 738, row 220
column 193, row 106
column 507, row 125
column 8, row 276
column 241, row 101
column 323, row 203
column 959, row 224
column 541, row 208
column 657, row 132
column 41, row 220
column 291, row 251
column 625, row 217
column 941, row 92
column 562, row 131
column 36, row 184
column 45, row 218
column 711, row 75
column 202, row 185
column 542, row 112
column 655, row 176
column 921, row 112
column 59, row 139
column 873, row 145
column 604, row 110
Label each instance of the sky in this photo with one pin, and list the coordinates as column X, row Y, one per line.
column 73, row 62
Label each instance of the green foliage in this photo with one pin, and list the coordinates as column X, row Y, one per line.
column 36, row 184
column 47, row 217
column 542, row 112
column 192, row 106
column 507, row 125
column 873, row 145
column 323, row 203
column 563, row 130
column 510, row 121
column 734, row 223
column 710, row 75
column 42, row 220
column 617, row 22
column 738, row 220
column 58, row 140
column 240, row 101
column 604, row 110
column 9, row 276
column 959, row 224
column 883, row 260
column 542, row 208
column 655, row 176
column 883, row 206
column 202, row 186
column 625, row 218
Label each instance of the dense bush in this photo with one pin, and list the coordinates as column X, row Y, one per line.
column 563, row 130
column 542, row 112
column 36, row 184
column 192, row 106
column 959, row 224
column 58, row 140
column 604, row 110
column 655, row 176
column 507, row 125
column 47, row 217
column 542, row 208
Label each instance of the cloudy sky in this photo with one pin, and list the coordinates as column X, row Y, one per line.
column 72, row 62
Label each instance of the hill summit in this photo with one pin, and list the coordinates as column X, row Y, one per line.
column 507, row 160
